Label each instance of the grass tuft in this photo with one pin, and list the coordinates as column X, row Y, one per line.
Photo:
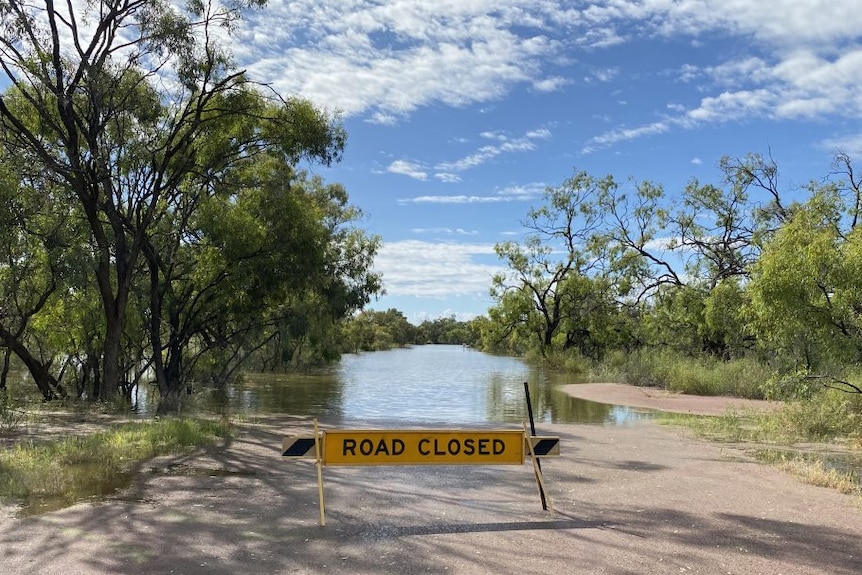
column 78, row 467
column 812, row 470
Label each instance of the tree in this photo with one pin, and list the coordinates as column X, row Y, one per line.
column 723, row 229
column 377, row 330
column 33, row 231
column 253, row 269
column 133, row 108
column 445, row 330
column 563, row 244
column 634, row 232
column 805, row 298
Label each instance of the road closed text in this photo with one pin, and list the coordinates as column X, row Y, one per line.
column 426, row 447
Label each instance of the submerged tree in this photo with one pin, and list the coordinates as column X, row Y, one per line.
column 138, row 119
column 35, row 240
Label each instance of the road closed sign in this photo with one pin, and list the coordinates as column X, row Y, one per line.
column 423, row 447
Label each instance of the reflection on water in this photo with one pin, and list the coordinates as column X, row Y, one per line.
column 445, row 384
column 423, row 384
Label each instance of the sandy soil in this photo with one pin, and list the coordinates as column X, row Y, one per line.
column 631, row 499
column 659, row 399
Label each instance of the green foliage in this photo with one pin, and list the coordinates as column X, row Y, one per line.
column 78, row 467
column 744, row 377
column 828, row 415
column 446, row 330
column 784, row 386
column 805, row 300
column 11, row 418
column 374, row 331
column 540, row 292
column 725, row 290
column 164, row 227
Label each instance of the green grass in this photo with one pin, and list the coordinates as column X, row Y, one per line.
column 829, row 416
column 78, row 467
column 11, row 417
column 697, row 376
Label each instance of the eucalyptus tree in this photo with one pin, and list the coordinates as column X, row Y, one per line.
column 677, row 258
column 723, row 228
column 378, row 330
column 564, row 243
column 805, row 299
column 122, row 102
column 264, row 267
column 33, row 232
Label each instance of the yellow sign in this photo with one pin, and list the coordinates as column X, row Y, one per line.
column 423, row 447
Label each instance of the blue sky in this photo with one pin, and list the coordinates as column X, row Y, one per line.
column 461, row 112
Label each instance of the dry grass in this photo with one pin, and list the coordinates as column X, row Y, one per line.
column 815, row 472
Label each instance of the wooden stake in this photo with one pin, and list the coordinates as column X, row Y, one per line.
column 533, row 432
column 319, row 458
column 540, row 480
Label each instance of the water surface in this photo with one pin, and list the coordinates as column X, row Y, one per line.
column 422, row 384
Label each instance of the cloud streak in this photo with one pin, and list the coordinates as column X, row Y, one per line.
column 525, row 193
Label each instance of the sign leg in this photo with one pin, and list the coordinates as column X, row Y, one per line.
column 540, row 480
column 533, row 432
column 319, row 463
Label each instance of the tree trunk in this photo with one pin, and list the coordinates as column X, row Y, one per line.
column 47, row 383
column 5, row 374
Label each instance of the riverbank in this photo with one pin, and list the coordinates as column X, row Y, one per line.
column 637, row 498
column 662, row 400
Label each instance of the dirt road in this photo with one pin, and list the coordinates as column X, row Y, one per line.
column 635, row 499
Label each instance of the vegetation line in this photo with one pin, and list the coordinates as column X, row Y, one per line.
column 61, row 472
column 781, row 431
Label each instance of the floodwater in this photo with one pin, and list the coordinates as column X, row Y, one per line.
column 428, row 384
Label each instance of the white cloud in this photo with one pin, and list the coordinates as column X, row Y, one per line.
column 445, row 231
column 540, row 134
column 383, row 119
column 406, row 168
column 385, row 60
column 435, row 269
column 606, row 75
column 447, row 177
column 729, row 106
column 391, row 58
column 552, row 84
column 503, row 145
column 624, row 134
column 850, row 144
column 457, row 199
